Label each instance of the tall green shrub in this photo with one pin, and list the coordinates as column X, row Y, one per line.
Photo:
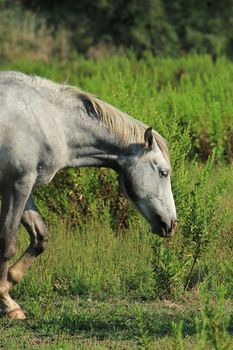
column 200, row 220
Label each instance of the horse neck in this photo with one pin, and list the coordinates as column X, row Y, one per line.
column 90, row 144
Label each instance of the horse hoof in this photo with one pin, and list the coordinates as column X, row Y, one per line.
column 16, row 314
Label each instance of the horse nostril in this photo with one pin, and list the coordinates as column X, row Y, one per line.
column 165, row 228
column 174, row 224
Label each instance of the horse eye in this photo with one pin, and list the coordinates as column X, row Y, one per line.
column 163, row 173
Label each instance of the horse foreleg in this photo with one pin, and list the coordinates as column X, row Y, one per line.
column 13, row 203
column 37, row 230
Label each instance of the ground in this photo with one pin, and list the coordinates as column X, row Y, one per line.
column 65, row 323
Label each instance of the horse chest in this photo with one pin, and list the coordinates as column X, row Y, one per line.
column 45, row 173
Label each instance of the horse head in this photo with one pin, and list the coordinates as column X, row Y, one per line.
column 145, row 181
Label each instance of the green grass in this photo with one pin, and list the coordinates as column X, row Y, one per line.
column 91, row 260
column 105, row 282
column 78, row 323
column 95, row 289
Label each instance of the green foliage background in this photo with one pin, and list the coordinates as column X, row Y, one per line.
column 102, row 27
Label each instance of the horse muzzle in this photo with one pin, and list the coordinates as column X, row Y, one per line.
column 164, row 230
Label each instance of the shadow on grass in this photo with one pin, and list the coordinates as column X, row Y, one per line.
column 230, row 327
column 114, row 323
column 103, row 321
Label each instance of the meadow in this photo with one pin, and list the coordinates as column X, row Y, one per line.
column 105, row 282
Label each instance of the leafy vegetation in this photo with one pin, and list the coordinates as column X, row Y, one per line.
column 104, row 280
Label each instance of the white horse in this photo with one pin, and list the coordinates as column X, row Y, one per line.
column 45, row 127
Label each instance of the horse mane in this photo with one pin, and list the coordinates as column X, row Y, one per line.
column 126, row 128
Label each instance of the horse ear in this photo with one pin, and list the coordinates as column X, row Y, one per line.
column 148, row 137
